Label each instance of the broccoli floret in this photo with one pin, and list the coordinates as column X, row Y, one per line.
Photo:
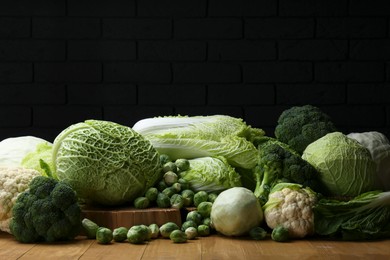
column 47, row 211
column 301, row 125
column 279, row 163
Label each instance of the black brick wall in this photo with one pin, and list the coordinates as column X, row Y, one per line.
column 64, row 61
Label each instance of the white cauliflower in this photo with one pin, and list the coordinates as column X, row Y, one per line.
column 291, row 205
column 13, row 181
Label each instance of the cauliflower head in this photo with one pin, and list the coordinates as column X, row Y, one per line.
column 13, row 181
column 291, row 206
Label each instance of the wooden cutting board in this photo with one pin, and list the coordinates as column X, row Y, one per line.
column 130, row 216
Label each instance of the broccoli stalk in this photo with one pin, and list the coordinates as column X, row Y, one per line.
column 279, row 163
column 47, row 211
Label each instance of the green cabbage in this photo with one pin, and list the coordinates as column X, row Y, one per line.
column 105, row 162
column 345, row 167
column 202, row 136
column 211, row 174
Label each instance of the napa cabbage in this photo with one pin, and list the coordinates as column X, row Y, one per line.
column 105, row 162
column 202, row 136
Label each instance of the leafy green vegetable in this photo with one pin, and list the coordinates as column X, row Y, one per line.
column 40, row 159
column 104, row 235
column 280, row 234
column 345, row 167
column 105, row 162
column 301, row 125
column 184, row 137
column 211, row 174
column 365, row 217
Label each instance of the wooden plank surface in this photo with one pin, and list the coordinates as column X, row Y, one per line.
column 214, row 247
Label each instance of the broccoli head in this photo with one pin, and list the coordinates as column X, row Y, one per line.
column 47, row 211
column 279, row 163
column 301, row 125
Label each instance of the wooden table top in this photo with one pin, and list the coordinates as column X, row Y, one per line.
column 212, row 247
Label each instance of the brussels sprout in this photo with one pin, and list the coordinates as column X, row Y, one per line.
column 191, row 232
column 163, row 201
column 212, row 197
column 170, row 178
column 137, row 234
column 203, row 230
column 257, row 233
column 90, row 228
column 104, row 235
column 185, row 185
column 177, row 201
column 120, row 234
column 207, row 222
column 170, row 166
column 151, row 194
column 199, row 197
column 194, row 216
column 149, row 232
column 141, row 203
column 188, row 196
column 178, row 236
column 169, row 191
column 176, row 187
column 167, row 228
column 182, row 164
column 164, row 158
column 187, row 224
column 204, row 208
column 155, row 230
column 161, row 185
column 280, row 234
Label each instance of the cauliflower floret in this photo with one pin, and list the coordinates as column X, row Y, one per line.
column 290, row 205
column 13, row 181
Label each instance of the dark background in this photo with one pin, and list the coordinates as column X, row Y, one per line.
column 64, row 61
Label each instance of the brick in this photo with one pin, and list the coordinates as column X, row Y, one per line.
column 140, row 28
column 234, row 111
column 12, row 27
column 172, row 51
column 102, row 50
column 101, row 8
column 264, row 116
column 65, row 27
column 96, row 94
column 245, row 50
column 32, row 94
column 313, row 49
column 64, row 116
column 208, row 28
column 171, row 95
column 369, row 7
column 370, row 49
column 279, row 72
column 313, row 8
column 311, row 93
column 352, row 116
column 16, row 72
column 15, row 116
column 129, row 115
column 206, row 73
column 68, row 72
column 33, row 8
column 242, row 8
column 279, row 28
column 137, row 72
column 171, row 8
column 240, row 94
column 368, row 93
column 351, row 27
column 32, row 50
column 349, row 72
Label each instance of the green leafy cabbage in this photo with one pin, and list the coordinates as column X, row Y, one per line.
column 345, row 167
column 105, row 162
column 211, row 174
column 202, row 136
